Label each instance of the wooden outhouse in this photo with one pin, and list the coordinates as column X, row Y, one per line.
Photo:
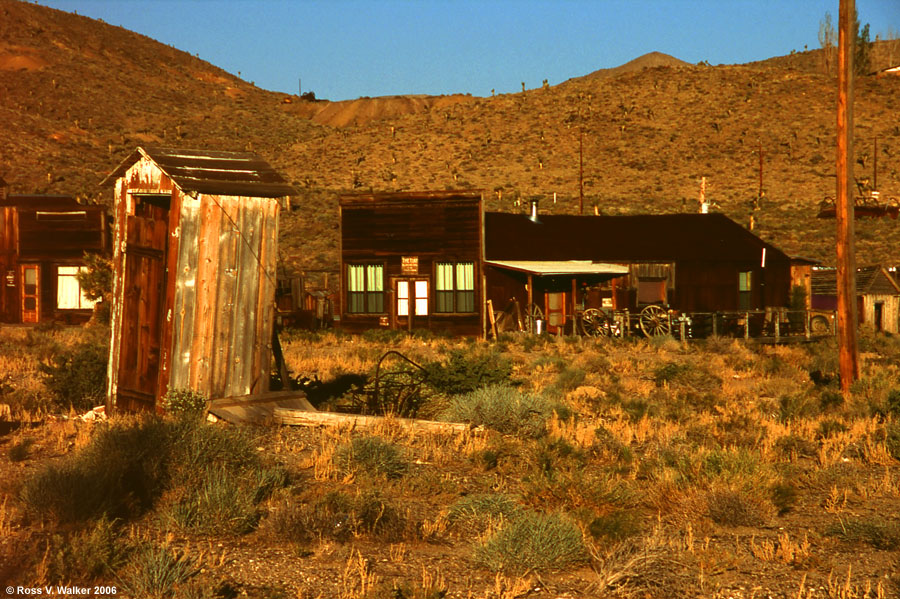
column 195, row 275
column 412, row 260
column 877, row 296
column 43, row 242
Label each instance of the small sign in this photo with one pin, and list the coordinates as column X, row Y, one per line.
column 383, row 321
column 10, row 278
column 409, row 265
column 606, row 302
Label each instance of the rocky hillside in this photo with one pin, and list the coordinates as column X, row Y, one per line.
column 79, row 94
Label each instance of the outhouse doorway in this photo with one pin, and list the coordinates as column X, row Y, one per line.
column 144, row 255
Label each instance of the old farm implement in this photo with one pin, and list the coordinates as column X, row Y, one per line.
column 870, row 204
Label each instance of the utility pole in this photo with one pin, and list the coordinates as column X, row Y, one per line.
column 844, row 204
column 581, row 170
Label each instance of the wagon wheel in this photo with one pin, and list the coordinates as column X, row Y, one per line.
column 819, row 325
column 534, row 314
column 595, row 323
column 654, row 321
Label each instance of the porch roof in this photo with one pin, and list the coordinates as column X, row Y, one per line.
column 560, row 267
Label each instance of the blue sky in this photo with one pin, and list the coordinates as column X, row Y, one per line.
column 344, row 49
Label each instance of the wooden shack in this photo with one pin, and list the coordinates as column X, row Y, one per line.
column 412, row 260
column 877, row 296
column 195, row 275
column 686, row 262
column 43, row 242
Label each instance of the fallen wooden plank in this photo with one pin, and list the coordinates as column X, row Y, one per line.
column 255, row 409
column 359, row 422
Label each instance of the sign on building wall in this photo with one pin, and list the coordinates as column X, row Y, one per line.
column 409, row 265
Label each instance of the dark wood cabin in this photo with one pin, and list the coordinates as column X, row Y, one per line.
column 195, row 275
column 412, row 260
column 43, row 242
column 877, row 296
column 687, row 262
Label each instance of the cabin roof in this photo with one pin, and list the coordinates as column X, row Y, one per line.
column 560, row 267
column 642, row 238
column 43, row 202
column 409, row 197
column 869, row 280
column 211, row 172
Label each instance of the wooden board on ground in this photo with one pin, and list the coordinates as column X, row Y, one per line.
column 359, row 422
column 257, row 409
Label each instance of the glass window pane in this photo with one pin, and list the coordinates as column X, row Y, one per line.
column 375, row 303
column 465, row 301
column 444, row 277
column 375, row 280
column 403, row 289
column 402, row 307
column 465, row 276
column 443, row 301
column 355, row 280
column 422, row 306
column 422, row 289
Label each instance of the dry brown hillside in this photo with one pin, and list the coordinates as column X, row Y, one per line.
column 78, row 94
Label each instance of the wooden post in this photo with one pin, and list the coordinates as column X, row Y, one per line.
column 715, row 318
column 844, row 204
column 530, row 306
column 806, row 326
column 746, row 325
column 581, row 171
column 574, row 306
column 519, row 320
column 493, row 318
column 777, row 325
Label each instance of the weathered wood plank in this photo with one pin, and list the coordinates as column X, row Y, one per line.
column 359, row 422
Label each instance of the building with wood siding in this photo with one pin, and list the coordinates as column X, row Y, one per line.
column 877, row 296
column 43, row 242
column 422, row 249
column 412, row 260
column 195, row 275
column 687, row 262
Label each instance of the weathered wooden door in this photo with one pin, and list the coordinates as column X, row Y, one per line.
column 144, row 288
column 31, row 292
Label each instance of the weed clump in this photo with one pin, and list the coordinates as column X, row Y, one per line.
column 77, row 377
column 503, row 409
column 184, row 403
column 464, row 372
column 371, row 455
column 877, row 533
column 737, row 508
column 532, row 541
column 476, row 513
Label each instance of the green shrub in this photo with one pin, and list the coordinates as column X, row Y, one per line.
column 475, row 513
column 876, row 532
column 532, row 541
column 737, row 508
column 18, row 452
column 95, row 553
column 184, row 403
column 464, row 372
column 371, row 455
column 156, row 571
column 503, row 409
column 616, row 526
column 77, row 377
column 223, row 503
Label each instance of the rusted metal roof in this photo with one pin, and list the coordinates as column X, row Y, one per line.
column 42, row 202
column 561, row 267
column 869, row 279
column 212, row 172
column 405, row 197
column 643, row 238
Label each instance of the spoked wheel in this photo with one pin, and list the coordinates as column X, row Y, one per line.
column 654, row 321
column 532, row 317
column 819, row 325
column 597, row 323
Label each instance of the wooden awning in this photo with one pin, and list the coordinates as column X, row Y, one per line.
column 560, row 267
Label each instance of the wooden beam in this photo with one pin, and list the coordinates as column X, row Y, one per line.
column 359, row 422
column 844, row 203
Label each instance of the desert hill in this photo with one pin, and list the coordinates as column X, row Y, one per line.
column 79, row 94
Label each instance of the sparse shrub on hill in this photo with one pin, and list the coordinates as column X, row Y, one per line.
column 532, row 542
column 77, row 377
column 465, row 371
column 504, row 409
column 371, row 455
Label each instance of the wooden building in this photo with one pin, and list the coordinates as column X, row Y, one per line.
column 412, row 260
column 43, row 242
column 877, row 296
column 686, row 262
column 194, row 288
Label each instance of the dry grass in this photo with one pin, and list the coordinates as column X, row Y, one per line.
column 693, row 467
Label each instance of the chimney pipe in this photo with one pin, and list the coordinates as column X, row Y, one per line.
column 534, row 210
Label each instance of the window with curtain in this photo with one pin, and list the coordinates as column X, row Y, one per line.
column 365, row 288
column 455, row 287
column 745, row 289
column 68, row 290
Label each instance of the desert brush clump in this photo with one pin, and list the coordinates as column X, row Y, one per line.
column 532, row 542
column 198, row 476
column 371, row 456
column 501, row 408
column 76, row 377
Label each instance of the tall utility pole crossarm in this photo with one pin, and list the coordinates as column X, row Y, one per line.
column 844, row 204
